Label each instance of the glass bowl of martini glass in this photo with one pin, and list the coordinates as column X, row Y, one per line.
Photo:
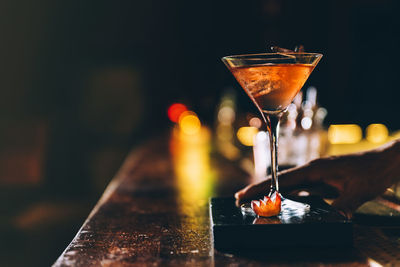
column 272, row 80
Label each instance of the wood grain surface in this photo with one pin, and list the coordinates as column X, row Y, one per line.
column 155, row 213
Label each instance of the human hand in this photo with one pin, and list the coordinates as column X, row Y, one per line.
column 357, row 177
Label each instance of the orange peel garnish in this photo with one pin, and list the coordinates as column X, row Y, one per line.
column 267, row 207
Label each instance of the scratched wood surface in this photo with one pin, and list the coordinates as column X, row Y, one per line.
column 148, row 215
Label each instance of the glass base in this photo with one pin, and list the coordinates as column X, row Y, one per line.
column 291, row 212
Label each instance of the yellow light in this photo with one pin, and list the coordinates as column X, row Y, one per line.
column 377, row 133
column 189, row 123
column 193, row 172
column 246, row 135
column 344, row 134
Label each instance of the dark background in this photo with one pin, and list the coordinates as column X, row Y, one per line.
column 82, row 82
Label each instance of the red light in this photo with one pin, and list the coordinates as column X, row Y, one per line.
column 175, row 110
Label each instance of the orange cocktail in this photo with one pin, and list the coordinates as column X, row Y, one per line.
column 273, row 87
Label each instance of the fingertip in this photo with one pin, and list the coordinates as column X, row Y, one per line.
column 345, row 213
column 343, row 207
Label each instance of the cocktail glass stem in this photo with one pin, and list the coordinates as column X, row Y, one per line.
column 273, row 130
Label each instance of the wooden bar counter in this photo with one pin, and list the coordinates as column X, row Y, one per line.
column 155, row 212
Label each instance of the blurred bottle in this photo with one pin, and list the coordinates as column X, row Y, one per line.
column 225, row 133
column 312, row 124
column 288, row 147
column 302, row 134
column 313, row 110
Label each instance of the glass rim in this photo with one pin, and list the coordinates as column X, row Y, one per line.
column 259, row 56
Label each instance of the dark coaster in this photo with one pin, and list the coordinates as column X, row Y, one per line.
column 307, row 221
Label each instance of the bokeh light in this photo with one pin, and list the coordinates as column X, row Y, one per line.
column 226, row 115
column 193, row 173
column 306, row 123
column 189, row 123
column 246, row 135
column 261, row 156
column 377, row 133
column 175, row 111
column 344, row 134
column 225, row 132
column 255, row 122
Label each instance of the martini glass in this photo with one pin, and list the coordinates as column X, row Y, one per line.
column 272, row 80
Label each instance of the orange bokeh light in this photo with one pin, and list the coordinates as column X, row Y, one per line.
column 175, row 111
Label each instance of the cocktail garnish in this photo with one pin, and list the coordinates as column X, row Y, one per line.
column 267, row 207
column 278, row 49
column 297, row 49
